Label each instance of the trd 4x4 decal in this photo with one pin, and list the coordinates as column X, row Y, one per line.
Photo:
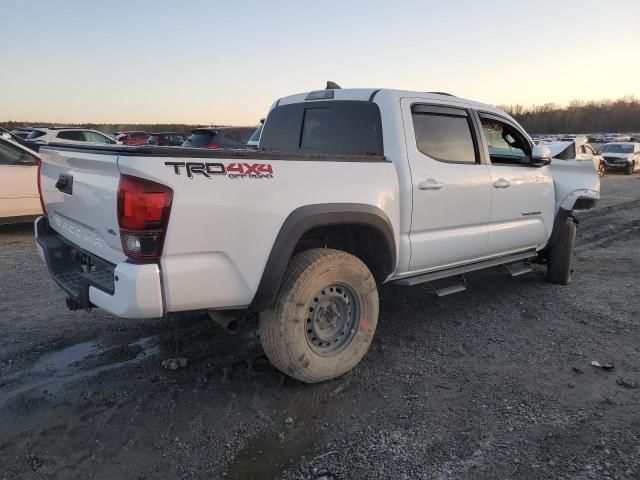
column 233, row 170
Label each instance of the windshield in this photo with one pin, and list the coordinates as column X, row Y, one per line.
column 617, row 148
column 199, row 139
column 35, row 134
column 256, row 135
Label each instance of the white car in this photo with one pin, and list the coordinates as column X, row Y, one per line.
column 19, row 199
column 623, row 156
column 349, row 189
column 69, row 135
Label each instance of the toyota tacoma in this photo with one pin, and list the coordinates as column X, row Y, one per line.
column 349, row 189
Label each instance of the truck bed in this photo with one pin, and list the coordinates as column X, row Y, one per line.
column 156, row 151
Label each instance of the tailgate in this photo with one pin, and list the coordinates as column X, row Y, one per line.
column 79, row 189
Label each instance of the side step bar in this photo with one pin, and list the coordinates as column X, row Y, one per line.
column 447, row 286
column 516, row 259
column 518, row 268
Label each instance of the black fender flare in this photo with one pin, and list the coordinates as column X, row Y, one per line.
column 302, row 220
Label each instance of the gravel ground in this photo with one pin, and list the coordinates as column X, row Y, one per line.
column 496, row 382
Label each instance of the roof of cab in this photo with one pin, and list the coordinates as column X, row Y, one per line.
column 377, row 94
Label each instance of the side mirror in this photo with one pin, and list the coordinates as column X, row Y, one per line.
column 540, row 156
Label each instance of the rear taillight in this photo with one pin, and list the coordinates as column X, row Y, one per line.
column 211, row 145
column 143, row 216
column 44, row 210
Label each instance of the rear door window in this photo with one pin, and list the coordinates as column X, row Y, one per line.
column 330, row 127
column 444, row 133
column 94, row 137
column 75, row 135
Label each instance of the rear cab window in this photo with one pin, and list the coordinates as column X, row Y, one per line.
column 336, row 127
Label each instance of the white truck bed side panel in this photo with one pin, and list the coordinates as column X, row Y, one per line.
column 222, row 229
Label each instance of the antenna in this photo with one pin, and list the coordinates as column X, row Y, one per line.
column 332, row 86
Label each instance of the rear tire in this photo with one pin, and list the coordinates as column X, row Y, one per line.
column 324, row 317
column 560, row 254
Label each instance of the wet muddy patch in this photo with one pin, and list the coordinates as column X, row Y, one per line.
column 51, row 372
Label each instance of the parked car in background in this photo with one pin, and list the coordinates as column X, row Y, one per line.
column 133, row 138
column 575, row 150
column 69, row 135
column 219, row 137
column 19, row 198
column 587, row 152
column 624, row 156
column 167, row 139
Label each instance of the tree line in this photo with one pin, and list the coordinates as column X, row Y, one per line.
column 597, row 116
column 601, row 116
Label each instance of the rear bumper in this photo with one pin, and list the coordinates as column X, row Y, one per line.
column 127, row 290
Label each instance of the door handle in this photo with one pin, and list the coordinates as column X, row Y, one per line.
column 430, row 184
column 501, row 183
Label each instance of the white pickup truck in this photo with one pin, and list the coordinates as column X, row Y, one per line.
column 350, row 189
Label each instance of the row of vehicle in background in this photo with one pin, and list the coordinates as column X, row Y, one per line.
column 588, row 138
column 206, row 137
column 613, row 156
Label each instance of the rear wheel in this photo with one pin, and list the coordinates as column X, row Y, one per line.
column 324, row 318
column 560, row 254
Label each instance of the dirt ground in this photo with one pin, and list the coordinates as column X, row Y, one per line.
column 495, row 382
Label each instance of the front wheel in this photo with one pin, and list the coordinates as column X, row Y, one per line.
column 602, row 168
column 560, row 254
column 629, row 168
column 324, row 318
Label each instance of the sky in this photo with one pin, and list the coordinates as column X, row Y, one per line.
column 225, row 62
